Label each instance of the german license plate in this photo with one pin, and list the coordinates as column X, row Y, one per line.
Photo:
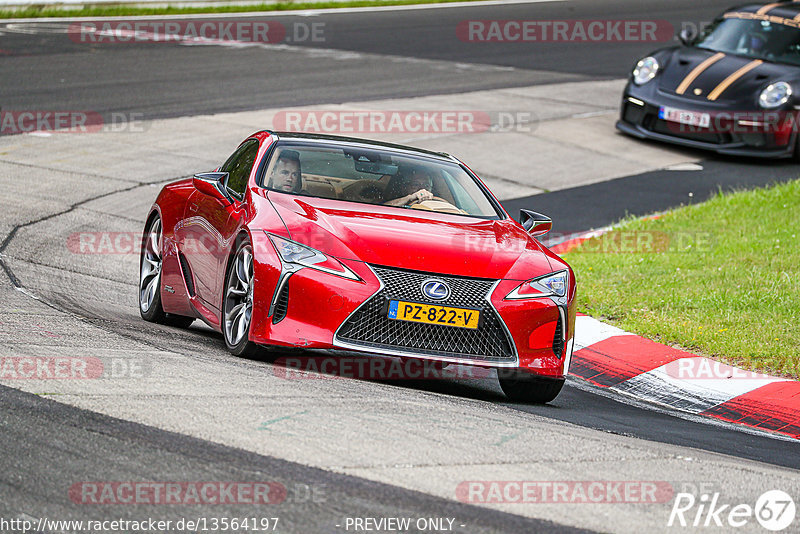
column 691, row 118
column 432, row 314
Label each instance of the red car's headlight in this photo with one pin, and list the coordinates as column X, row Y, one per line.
column 551, row 285
column 294, row 253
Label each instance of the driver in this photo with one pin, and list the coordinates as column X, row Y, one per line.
column 757, row 43
column 286, row 175
column 413, row 186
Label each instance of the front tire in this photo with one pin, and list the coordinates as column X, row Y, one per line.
column 237, row 304
column 150, row 263
column 520, row 386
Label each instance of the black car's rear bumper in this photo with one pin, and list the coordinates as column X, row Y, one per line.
column 642, row 121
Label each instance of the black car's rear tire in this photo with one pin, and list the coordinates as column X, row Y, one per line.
column 150, row 263
column 237, row 302
column 524, row 387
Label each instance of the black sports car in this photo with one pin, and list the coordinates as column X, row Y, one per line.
column 732, row 89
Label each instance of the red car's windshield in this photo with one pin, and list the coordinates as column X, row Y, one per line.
column 376, row 176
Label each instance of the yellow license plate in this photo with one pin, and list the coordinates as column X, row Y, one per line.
column 431, row 314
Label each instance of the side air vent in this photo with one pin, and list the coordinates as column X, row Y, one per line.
column 558, row 339
column 187, row 274
column 282, row 304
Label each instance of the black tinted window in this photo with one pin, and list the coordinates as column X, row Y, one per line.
column 239, row 166
column 761, row 38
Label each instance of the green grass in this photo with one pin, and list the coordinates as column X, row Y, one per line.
column 122, row 10
column 721, row 278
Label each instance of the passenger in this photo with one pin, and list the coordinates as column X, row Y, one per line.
column 286, row 175
column 411, row 187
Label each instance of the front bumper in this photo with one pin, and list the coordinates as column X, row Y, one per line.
column 326, row 312
column 728, row 135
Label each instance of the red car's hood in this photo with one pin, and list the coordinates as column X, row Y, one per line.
column 411, row 239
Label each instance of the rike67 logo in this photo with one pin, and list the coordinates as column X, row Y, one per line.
column 774, row 510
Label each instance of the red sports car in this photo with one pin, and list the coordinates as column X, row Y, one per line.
column 324, row 242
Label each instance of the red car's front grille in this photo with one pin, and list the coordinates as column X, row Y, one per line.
column 371, row 327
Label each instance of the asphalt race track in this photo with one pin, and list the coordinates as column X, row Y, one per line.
column 181, row 409
column 401, row 53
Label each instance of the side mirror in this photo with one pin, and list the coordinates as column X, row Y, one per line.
column 534, row 223
column 686, row 36
column 212, row 184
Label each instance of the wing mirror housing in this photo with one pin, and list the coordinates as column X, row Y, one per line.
column 212, row 184
column 686, row 36
column 535, row 223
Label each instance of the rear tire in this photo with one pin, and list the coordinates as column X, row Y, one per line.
column 150, row 263
column 520, row 386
